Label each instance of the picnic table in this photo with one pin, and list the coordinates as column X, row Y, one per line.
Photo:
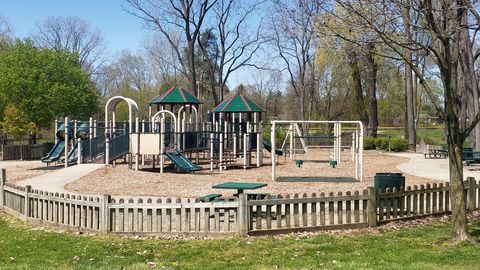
column 239, row 186
column 434, row 151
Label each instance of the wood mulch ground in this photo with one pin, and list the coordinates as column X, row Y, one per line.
column 26, row 170
column 314, row 176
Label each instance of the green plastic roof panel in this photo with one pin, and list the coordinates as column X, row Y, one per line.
column 238, row 103
column 175, row 95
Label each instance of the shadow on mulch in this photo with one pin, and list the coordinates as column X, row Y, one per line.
column 316, row 180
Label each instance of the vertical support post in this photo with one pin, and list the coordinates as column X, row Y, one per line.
column 360, row 151
column 107, row 151
column 220, row 149
column 79, row 151
column 90, row 128
column 242, row 215
column 162, row 142
column 66, row 142
column 339, row 143
column 3, row 179
column 273, row 150
column 137, row 150
column 259, row 145
column 245, row 146
column 212, row 137
column 28, row 188
column 95, row 128
column 104, row 225
column 372, row 207
column 471, row 194
column 56, row 129
column 292, row 142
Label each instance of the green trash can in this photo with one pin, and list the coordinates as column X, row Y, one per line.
column 388, row 180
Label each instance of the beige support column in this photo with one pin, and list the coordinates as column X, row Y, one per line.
column 242, row 216
column 79, row 151
column 66, row 142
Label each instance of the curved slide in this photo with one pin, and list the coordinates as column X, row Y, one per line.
column 55, row 153
column 182, row 163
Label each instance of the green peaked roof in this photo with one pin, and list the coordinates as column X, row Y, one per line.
column 238, row 103
column 175, row 95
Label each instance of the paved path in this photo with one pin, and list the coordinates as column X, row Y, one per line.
column 433, row 168
column 56, row 180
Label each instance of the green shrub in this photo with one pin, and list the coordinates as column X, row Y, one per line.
column 382, row 143
column 398, row 145
column 369, row 143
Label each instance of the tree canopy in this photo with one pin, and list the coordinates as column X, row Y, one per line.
column 45, row 83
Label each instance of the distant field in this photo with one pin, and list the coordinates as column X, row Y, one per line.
column 431, row 135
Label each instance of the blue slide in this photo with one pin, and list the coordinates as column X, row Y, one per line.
column 182, row 163
column 55, row 153
column 268, row 146
column 72, row 155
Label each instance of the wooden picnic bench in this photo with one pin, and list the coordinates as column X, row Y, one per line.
column 209, row 197
column 470, row 156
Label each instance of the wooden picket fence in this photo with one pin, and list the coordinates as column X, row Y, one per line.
column 269, row 215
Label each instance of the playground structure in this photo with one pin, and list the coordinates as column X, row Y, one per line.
column 295, row 132
column 75, row 142
column 231, row 136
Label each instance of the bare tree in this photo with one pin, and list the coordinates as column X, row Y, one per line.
column 74, row 35
column 293, row 27
column 237, row 44
column 5, row 34
column 444, row 24
column 163, row 59
column 171, row 16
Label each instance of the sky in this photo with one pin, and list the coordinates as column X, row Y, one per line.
column 120, row 29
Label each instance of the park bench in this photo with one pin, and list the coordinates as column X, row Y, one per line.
column 209, row 197
column 470, row 156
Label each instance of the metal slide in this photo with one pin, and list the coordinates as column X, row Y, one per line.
column 182, row 163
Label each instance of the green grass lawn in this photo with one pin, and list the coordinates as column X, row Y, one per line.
column 424, row 247
column 431, row 135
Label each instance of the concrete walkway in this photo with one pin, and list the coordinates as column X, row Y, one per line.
column 432, row 168
column 56, row 180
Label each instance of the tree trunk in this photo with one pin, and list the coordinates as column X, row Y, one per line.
column 411, row 132
column 192, row 77
column 371, row 83
column 359, row 103
column 457, row 195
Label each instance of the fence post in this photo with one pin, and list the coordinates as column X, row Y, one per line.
column 471, row 194
column 28, row 188
column 3, row 179
column 104, row 225
column 372, row 207
column 242, row 215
